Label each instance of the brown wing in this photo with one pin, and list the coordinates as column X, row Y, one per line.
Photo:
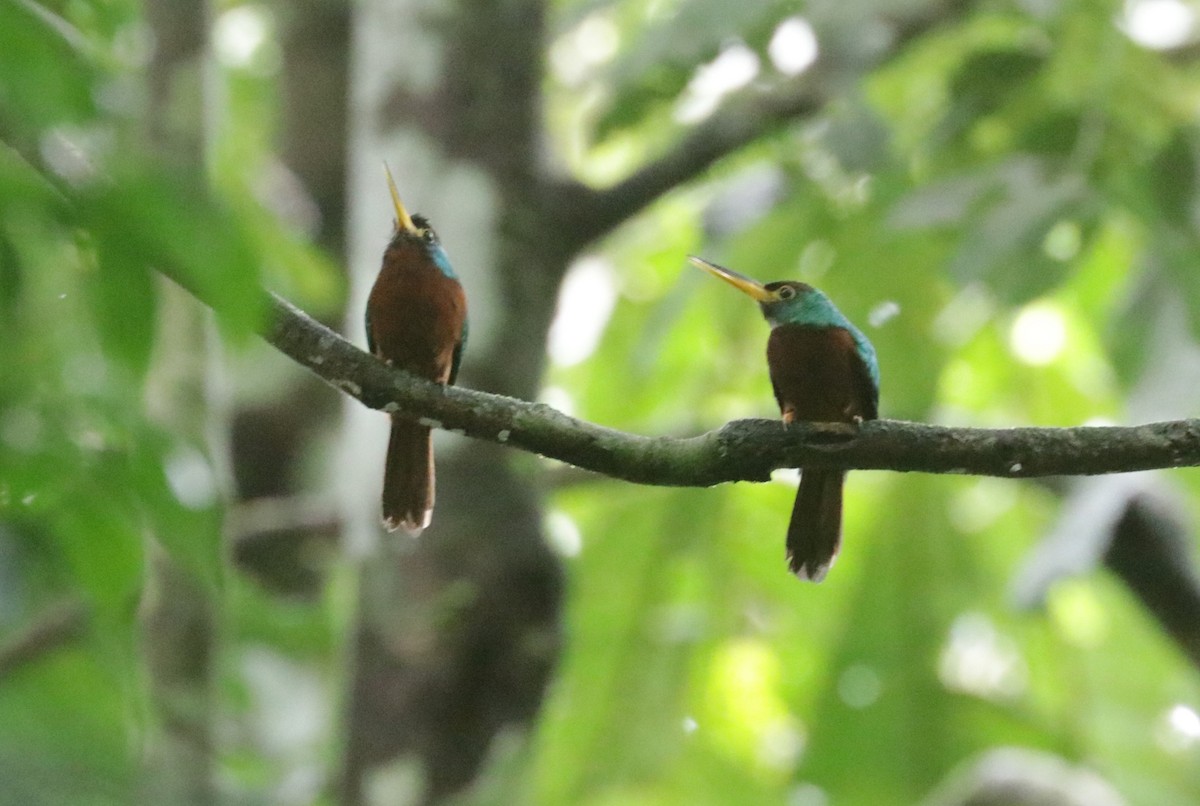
column 865, row 389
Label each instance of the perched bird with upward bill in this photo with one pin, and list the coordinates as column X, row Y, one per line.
column 416, row 321
column 823, row 369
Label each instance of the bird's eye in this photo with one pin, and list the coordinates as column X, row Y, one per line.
column 787, row 292
column 428, row 236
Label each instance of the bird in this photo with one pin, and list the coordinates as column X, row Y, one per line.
column 416, row 320
column 822, row 369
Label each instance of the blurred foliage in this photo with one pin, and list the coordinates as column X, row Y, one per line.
column 1012, row 218
column 90, row 211
column 995, row 171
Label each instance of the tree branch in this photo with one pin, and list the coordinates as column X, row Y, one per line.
column 743, row 450
column 588, row 213
column 1150, row 552
column 592, row 213
column 56, row 628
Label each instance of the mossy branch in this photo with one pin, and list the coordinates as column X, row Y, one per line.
column 743, row 450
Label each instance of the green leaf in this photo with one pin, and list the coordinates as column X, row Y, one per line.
column 1053, row 134
column 178, row 490
column 1174, row 251
column 10, row 276
column 63, row 733
column 1172, row 179
column 1004, row 243
column 634, row 624
column 986, row 79
column 661, row 59
column 124, row 302
column 882, row 701
column 148, row 220
column 24, row 187
column 98, row 526
column 47, row 74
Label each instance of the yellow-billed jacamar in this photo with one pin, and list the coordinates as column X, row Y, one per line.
column 823, row 369
column 417, row 321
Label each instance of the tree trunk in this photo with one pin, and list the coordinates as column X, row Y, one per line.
column 457, row 634
column 176, row 614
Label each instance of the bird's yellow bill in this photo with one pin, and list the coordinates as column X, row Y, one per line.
column 403, row 219
column 739, row 281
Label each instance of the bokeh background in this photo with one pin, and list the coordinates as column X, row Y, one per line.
column 196, row 602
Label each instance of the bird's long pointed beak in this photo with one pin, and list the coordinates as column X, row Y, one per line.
column 403, row 219
column 741, row 282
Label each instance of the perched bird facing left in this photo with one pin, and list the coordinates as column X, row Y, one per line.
column 417, row 321
column 823, row 369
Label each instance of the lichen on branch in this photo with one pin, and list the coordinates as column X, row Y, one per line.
column 743, row 450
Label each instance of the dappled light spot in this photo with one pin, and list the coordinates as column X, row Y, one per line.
column 980, row 504
column 563, row 534
column 747, row 715
column 793, row 46
column 243, row 39
column 679, row 623
column 781, row 744
column 558, row 398
column 590, row 44
column 1159, row 24
column 807, row 794
column 735, row 67
column 883, row 313
column 1063, row 241
column 87, row 371
column 133, row 45
column 816, row 259
column 859, row 686
column 191, row 478
column 962, row 317
column 978, row 659
column 73, row 152
column 959, row 378
column 1178, row 729
column 1038, row 334
column 585, row 302
column 288, row 697
column 1077, row 614
column 21, row 429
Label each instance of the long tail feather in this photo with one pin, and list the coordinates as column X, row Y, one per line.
column 408, row 478
column 815, row 532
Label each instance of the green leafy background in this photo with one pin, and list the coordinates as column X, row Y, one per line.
column 997, row 167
